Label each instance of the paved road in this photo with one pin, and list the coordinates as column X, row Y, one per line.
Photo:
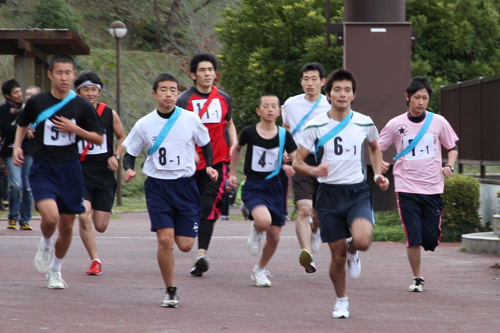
column 462, row 292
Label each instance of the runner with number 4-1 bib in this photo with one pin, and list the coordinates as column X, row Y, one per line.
column 418, row 172
column 172, row 197
column 59, row 118
column 262, row 192
column 213, row 106
column 344, row 202
column 99, row 163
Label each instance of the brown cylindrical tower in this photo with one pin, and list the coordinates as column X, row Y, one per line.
column 374, row 10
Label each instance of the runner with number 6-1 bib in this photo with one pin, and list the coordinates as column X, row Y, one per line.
column 213, row 107
column 172, row 197
column 344, row 202
column 418, row 172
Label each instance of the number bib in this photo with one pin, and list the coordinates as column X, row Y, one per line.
column 52, row 137
column 213, row 113
column 344, row 148
column 424, row 149
column 170, row 156
column 93, row 149
column 265, row 160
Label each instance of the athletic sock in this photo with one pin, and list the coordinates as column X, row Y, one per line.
column 48, row 242
column 56, row 264
column 98, row 260
column 342, row 299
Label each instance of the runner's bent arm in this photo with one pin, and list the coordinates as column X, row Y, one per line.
column 129, row 165
column 65, row 125
column 452, row 158
column 113, row 162
column 307, row 170
column 234, row 163
column 208, row 155
column 233, row 136
column 376, row 160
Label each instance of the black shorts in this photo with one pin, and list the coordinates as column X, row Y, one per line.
column 268, row 193
column 99, row 186
column 339, row 205
column 421, row 218
column 305, row 187
column 211, row 192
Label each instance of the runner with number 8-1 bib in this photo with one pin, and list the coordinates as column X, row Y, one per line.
column 213, row 107
column 172, row 197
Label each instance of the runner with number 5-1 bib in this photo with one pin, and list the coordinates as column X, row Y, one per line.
column 59, row 118
column 344, row 202
column 418, row 172
column 172, row 197
column 213, row 107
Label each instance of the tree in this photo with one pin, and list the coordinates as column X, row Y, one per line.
column 265, row 43
column 458, row 40
column 56, row 14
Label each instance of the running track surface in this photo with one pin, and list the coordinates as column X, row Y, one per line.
column 462, row 292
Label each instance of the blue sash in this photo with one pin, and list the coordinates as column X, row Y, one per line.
column 417, row 138
column 307, row 115
column 332, row 133
column 49, row 112
column 282, row 138
column 165, row 130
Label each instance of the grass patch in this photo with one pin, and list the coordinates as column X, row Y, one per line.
column 388, row 227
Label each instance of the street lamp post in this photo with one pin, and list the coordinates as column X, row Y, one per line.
column 118, row 30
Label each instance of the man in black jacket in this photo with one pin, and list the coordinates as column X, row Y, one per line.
column 17, row 176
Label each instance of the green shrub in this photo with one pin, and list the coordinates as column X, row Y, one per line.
column 388, row 227
column 56, row 14
column 461, row 205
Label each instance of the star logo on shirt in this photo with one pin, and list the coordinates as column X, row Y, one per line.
column 401, row 130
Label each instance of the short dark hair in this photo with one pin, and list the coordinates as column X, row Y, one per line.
column 164, row 77
column 312, row 66
column 61, row 58
column 340, row 75
column 259, row 101
column 87, row 75
column 196, row 59
column 416, row 84
column 8, row 86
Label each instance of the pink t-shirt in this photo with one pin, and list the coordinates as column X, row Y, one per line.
column 419, row 171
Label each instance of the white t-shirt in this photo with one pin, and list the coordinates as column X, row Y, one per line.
column 296, row 107
column 344, row 152
column 175, row 158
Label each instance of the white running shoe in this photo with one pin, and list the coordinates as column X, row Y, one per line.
column 315, row 241
column 353, row 263
column 418, row 285
column 259, row 276
column 55, row 280
column 201, row 265
column 43, row 257
column 307, row 261
column 341, row 309
column 171, row 300
column 254, row 241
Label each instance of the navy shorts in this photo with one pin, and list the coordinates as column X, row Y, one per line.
column 265, row 192
column 173, row 203
column 421, row 218
column 99, row 186
column 338, row 206
column 60, row 181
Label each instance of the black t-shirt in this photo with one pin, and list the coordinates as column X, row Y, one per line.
column 49, row 144
column 98, row 155
column 262, row 155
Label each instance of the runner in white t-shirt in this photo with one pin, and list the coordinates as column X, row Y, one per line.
column 172, row 197
column 418, row 175
column 344, row 201
column 297, row 112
